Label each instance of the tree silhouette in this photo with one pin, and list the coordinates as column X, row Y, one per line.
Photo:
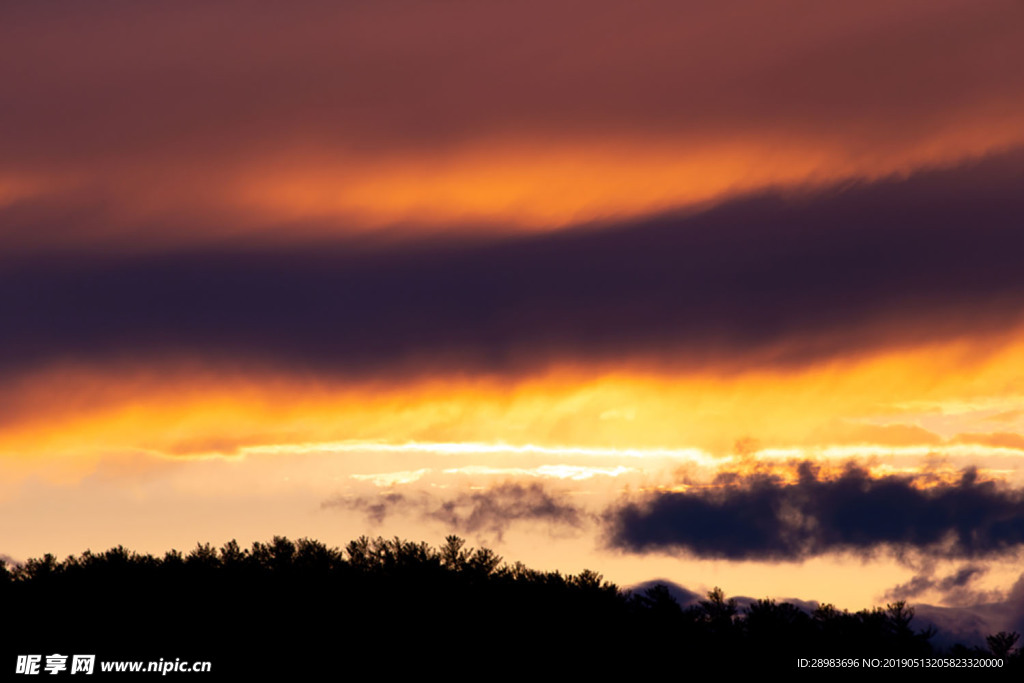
column 453, row 555
column 379, row 594
column 1002, row 644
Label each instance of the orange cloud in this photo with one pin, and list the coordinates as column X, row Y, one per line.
column 182, row 410
column 392, row 113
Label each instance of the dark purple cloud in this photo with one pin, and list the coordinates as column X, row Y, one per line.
column 767, row 279
column 491, row 511
column 954, row 587
column 759, row 517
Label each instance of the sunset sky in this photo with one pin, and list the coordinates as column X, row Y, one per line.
column 720, row 293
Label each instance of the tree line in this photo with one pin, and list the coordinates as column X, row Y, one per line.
column 293, row 606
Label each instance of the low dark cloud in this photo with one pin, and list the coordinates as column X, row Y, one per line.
column 976, row 615
column 760, row 517
column 954, row 586
column 681, row 594
column 967, row 623
column 769, row 280
column 376, row 508
column 1015, row 605
column 490, row 512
